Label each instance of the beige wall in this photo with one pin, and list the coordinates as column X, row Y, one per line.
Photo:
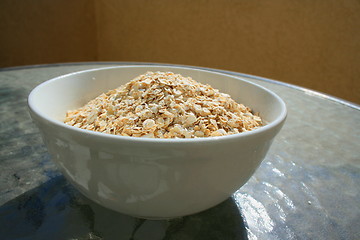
column 46, row 31
column 315, row 44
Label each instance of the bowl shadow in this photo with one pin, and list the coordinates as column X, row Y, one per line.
column 56, row 210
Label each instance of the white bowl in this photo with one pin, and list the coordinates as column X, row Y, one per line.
column 152, row 178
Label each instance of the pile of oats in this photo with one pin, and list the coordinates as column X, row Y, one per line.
column 164, row 105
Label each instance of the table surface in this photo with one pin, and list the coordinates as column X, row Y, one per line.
column 306, row 188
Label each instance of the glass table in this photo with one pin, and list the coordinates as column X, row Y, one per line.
column 306, row 188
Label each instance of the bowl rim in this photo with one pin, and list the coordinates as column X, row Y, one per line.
column 35, row 110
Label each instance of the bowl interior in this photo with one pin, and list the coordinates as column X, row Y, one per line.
column 53, row 98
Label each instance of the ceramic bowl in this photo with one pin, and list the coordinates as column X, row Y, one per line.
column 152, row 178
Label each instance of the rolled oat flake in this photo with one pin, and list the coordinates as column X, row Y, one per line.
column 164, row 105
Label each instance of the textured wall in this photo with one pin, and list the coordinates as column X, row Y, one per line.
column 315, row 44
column 43, row 31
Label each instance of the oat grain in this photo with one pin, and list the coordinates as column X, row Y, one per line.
column 164, row 105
